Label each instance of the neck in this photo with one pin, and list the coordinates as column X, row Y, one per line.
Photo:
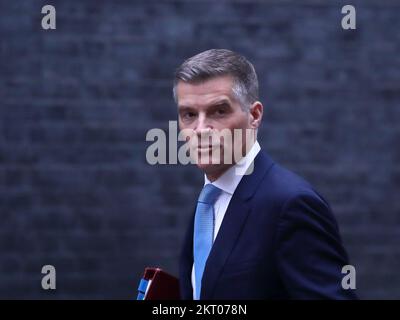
column 215, row 174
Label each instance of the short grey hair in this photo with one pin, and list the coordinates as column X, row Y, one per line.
column 221, row 62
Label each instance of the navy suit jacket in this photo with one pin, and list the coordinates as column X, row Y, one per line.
column 278, row 240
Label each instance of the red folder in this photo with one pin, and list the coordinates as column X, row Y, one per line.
column 161, row 285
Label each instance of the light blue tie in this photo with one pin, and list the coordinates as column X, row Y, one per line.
column 203, row 231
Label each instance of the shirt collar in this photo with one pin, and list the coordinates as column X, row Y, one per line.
column 230, row 179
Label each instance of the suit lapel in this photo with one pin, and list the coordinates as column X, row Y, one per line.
column 232, row 224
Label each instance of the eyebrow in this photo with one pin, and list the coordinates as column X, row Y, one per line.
column 212, row 104
column 184, row 108
column 219, row 102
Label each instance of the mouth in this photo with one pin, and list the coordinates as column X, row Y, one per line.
column 206, row 147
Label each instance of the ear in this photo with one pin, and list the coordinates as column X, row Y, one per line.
column 256, row 113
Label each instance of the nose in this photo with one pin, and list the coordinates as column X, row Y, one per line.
column 203, row 125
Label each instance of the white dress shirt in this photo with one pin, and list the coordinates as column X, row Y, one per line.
column 228, row 183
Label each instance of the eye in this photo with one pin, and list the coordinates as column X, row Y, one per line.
column 220, row 112
column 188, row 115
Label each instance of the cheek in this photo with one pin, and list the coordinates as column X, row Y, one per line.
column 182, row 125
column 240, row 122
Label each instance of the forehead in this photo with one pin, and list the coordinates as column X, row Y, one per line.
column 204, row 93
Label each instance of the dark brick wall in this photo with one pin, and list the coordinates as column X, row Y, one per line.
column 76, row 103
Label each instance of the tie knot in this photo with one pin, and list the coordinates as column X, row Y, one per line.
column 209, row 194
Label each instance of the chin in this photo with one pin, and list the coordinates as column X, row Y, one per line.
column 206, row 167
column 212, row 170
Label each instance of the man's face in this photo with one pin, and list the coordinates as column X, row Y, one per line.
column 206, row 108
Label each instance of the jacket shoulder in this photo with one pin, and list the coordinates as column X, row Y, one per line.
column 280, row 186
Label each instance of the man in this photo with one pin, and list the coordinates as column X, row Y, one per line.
column 258, row 230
